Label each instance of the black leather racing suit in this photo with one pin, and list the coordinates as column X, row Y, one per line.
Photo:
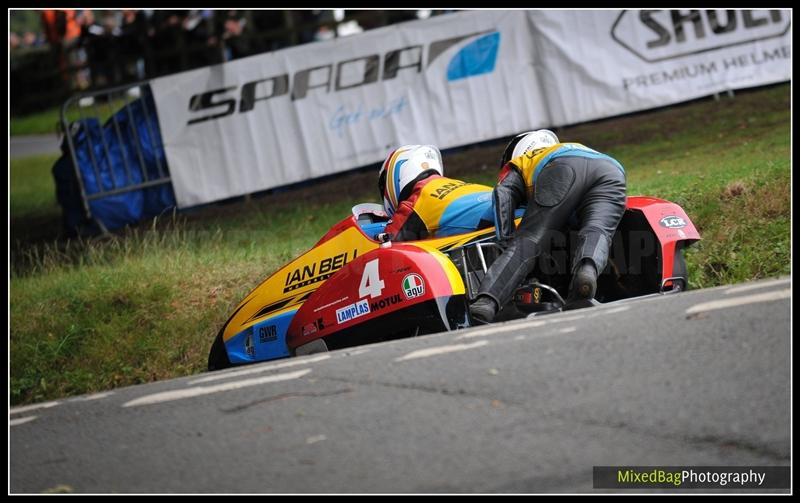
column 561, row 180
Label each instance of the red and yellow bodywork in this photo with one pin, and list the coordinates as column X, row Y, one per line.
column 348, row 288
column 298, row 302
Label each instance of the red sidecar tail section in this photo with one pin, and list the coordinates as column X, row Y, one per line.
column 671, row 225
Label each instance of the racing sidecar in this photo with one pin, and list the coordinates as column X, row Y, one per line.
column 351, row 288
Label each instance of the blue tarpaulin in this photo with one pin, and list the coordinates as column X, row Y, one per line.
column 109, row 160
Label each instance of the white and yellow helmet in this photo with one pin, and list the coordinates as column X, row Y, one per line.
column 528, row 142
column 403, row 168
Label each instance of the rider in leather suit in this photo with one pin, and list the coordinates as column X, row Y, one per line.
column 423, row 203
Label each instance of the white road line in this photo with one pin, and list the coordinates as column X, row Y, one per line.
column 425, row 353
column 738, row 301
column 567, row 330
column 22, row 420
column 180, row 394
column 613, row 310
column 356, row 352
column 501, row 328
column 89, row 398
column 315, row 439
column 35, row 406
column 261, row 368
column 558, row 319
column 765, row 284
column 538, row 322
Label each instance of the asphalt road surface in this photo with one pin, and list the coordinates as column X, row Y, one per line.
column 697, row 378
column 29, row 145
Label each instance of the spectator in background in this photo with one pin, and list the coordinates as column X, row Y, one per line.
column 231, row 26
column 325, row 32
column 112, row 37
column 14, row 41
column 168, row 42
column 201, row 44
column 31, row 39
column 267, row 26
column 96, row 38
column 62, row 31
column 304, row 22
column 26, row 40
column 60, row 26
column 133, row 44
column 126, row 45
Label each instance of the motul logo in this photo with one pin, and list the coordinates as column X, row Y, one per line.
column 656, row 35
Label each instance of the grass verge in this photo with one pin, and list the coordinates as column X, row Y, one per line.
column 48, row 121
column 146, row 304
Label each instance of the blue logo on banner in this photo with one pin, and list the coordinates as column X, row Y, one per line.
column 476, row 58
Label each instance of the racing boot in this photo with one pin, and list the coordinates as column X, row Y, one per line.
column 584, row 282
column 483, row 309
column 591, row 256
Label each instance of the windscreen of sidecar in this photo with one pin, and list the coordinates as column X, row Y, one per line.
column 371, row 217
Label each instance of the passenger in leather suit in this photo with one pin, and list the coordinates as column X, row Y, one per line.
column 556, row 181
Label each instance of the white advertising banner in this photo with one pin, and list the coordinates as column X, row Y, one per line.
column 317, row 109
column 321, row 108
column 596, row 64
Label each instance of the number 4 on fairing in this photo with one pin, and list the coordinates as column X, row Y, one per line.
column 371, row 282
column 424, row 287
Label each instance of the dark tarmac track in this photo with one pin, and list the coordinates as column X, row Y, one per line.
column 697, row 378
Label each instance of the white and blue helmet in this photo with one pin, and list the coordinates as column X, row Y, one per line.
column 403, row 168
column 528, row 142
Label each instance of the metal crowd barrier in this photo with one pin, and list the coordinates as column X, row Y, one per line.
column 92, row 104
